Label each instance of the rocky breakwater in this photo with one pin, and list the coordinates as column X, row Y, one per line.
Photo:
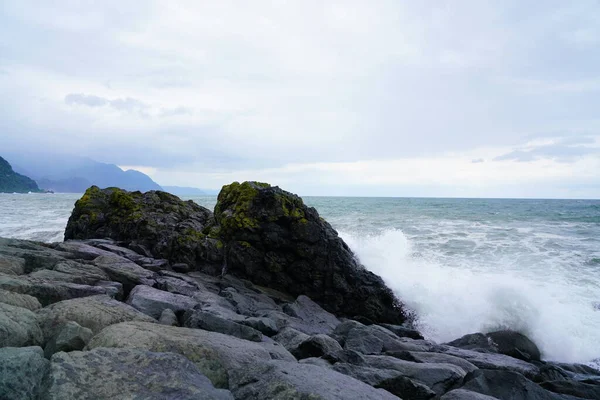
column 110, row 317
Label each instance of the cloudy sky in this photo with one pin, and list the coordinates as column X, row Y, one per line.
column 394, row 98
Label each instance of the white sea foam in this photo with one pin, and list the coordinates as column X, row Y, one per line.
column 554, row 308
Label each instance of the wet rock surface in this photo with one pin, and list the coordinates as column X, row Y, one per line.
column 118, row 311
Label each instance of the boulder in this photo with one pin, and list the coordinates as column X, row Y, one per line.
column 266, row 326
column 318, row 346
column 153, row 302
column 290, row 380
column 214, row 353
column 439, row 377
column 18, row 327
column 10, row 265
column 127, row 374
column 158, row 221
column 47, row 292
column 494, row 361
column 248, row 302
column 128, row 273
column 476, row 342
column 214, row 323
column 290, row 338
column 402, row 331
column 316, row 318
column 507, row 385
column 71, row 336
column 584, row 389
column 515, row 344
column 363, row 341
column 274, row 240
column 462, row 394
column 406, row 388
column 22, row 372
column 95, row 313
column 341, row 331
column 19, row 300
column 440, row 358
column 168, row 317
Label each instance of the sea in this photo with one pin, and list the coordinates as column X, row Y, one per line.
column 462, row 265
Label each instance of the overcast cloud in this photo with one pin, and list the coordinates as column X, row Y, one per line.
column 444, row 98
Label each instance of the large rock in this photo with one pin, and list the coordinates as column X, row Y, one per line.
column 153, row 302
column 127, row 374
column 213, row 323
column 18, row 327
column 312, row 315
column 274, row 240
column 71, row 336
column 462, row 394
column 19, row 300
column 515, row 344
column 169, row 227
column 507, row 385
column 22, row 371
column 287, row 380
column 214, row 353
column 95, row 313
column 318, row 346
column 585, row 389
column 128, row 273
column 438, row 377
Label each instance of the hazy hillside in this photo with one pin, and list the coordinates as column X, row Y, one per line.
column 74, row 174
column 11, row 182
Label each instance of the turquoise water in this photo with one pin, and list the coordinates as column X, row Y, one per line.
column 464, row 265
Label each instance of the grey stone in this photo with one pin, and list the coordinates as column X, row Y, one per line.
column 214, row 353
column 47, row 292
column 494, row 361
column 177, row 285
column 113, row 289
column 122, row 270
column 214, row 323
column 287, row 380
column 507, row 385
column 290, row 338
column 181, row 267
column 10, row 265
column 363, row 341
column 439, row 358
column 313, row 315
column 249, row 303
column 321, row 362
column 476, row 342
column 153, row 302
column 19, row 300
column 406, row 388
column 402, row 331
column 168, row 318
column 18, row 327
column 82, row 250
column 318, row 346
column 516, row 345
column 439, row 377
column 340, row 333
column 369, row 375
column 462, row 394
column 71, row 336
column 95, row 313
column 127, row 374
column 262, row 324
column 585, row 389
column 22, row 372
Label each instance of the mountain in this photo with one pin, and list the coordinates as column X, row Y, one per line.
column 74, row 174
column 189, row 191
column 11, row 182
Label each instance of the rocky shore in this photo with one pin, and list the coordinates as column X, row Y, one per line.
column 151, row 297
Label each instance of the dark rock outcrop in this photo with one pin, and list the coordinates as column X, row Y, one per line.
column 258, row 232
column 22, row 371
column 11, row 182
column 169, row 227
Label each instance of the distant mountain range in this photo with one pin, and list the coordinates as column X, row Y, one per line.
column 74, row 174
column 12, row 182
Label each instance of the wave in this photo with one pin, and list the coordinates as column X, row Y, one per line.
column 553, row 309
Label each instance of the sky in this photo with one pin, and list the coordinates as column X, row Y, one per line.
column 376, row 98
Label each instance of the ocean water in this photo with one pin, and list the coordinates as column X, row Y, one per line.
column 463, row 265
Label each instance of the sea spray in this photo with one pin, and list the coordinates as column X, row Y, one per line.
column 451, row 301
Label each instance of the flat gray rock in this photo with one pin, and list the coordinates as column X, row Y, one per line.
column 316, row 319
column 127, row 374
column 18, row 327
column 290, row 380
column 318, row 346
column 168, row 317
column 462, row 394
column 22, row 371
column 122, row 270
column 439, row 358
column 153, row 302
column 210, row 322
column 214, row 353
column 19, row 300
column 95, row 313
column 438, row 377
column 290, row 338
